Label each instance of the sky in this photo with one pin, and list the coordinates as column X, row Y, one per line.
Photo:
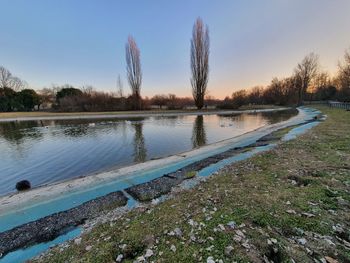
column 82, row 42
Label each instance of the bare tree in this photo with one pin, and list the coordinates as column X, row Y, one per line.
column 305, row 72
column 17, row 84
column 199, row 62
column 343, row 77
column 120, row 86
column 5, row 78
column 134, row 72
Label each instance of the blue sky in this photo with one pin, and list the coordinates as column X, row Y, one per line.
column 82, row 42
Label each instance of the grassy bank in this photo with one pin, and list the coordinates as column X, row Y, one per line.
column 292, row 202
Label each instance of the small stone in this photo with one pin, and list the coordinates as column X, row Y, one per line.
column 240, row 233
column 222, row 228
column 191, row 222
column 77, row 241
column 309, row 215
column 237, row 238
column 274, row 240
column 173, row 248
column 288, row 203
column 178, row 232
column 155, row 201
column 231, row 224
column 290, row 211
column 88, row 248
column 149, row 253
column 141, row 259
column 228, row 250
column 246, row 245
column 209, row 248
column 210, row 260
column 119, row 258
column 301, row 241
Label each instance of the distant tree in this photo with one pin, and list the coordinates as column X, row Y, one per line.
column 8, row 99
column 239, row 98
column 199, row 62
column 343, row 78
column 28, row 99
column 159, row 100
column 68, row 91
column 48, row 96
column 134, row 72
column 255, row 95
column 7, row 80
column 171, row 102
column 305, row 72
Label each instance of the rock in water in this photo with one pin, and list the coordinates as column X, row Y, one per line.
column 23, row 185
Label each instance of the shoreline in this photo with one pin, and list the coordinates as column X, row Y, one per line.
column 122, row 115
column 43, row 194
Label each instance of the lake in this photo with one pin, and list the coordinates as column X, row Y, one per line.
column 55, row 150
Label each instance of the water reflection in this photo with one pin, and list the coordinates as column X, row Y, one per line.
column 140, row 152
column 76, row 131
column 17, row 132
column 50, row 151
column 199, row 137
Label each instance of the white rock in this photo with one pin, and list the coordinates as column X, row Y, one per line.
column 228, row 250
column 274, row 240
column 237, row 238
column 155, row 201
column 209, row 248
column 173, row 248
column 210, row 260
column 246, row 245
column 222, row 228
column 231, row 224
column 77, row 241
column 119, row 258
column 149, row 253
column 301, row 241
column 140, row 259
column 178, row 232
column 88, row 248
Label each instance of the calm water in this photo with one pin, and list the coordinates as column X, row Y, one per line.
column 50, row 151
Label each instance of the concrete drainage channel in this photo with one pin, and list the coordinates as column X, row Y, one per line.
column 24, row 241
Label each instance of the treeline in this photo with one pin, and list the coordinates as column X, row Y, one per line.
column 307, row 83
column 14, row 94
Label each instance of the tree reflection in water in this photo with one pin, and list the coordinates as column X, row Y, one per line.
column 199, row 137
column 140, row 152
column 17, row 132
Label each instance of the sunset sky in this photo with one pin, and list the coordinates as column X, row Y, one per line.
column 83, row 42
